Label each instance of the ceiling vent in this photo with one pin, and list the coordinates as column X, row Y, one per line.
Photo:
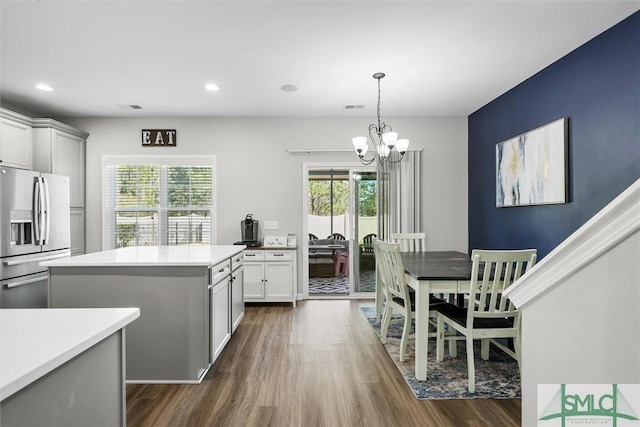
column 353, row 107
column 129, row 106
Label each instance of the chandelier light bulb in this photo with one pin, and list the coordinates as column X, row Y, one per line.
column 383, row 151
column 359, row 142
column 402, row 145
column 390, row 138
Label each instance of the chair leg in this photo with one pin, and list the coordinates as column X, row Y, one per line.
column 453, row 345
column 386, row 319
column 405, row 336
column 440, row 339
column 471, row 365
column 484, row 349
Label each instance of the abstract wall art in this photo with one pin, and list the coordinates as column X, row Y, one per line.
column 531, row 168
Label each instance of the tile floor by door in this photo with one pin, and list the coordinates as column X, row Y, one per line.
column 340, row 285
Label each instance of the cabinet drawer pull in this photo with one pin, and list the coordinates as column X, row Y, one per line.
column 278, row 254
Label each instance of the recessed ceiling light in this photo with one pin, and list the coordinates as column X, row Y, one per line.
column 289, row 88
column 212, row 87
column 44, row 87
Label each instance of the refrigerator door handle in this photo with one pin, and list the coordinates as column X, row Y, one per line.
column 39, row 259
column 41, row 208
column 36, row 211
column 47, row 212
column 25, row 282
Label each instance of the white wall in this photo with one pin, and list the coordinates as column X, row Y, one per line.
column 586, row 330
column 256, row 174
column 580, row 317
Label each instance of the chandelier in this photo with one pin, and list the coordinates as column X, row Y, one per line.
column 387, row 146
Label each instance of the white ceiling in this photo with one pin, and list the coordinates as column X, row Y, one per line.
column 442, row 58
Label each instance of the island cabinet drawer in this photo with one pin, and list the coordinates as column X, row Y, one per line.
column 254, row 255
column 236, row 261
column 220, row 271
column 277, row 255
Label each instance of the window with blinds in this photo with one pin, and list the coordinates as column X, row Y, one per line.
column 157, row 203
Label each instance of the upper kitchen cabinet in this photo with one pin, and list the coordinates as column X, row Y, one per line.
column 60, row 149
column 16, row 140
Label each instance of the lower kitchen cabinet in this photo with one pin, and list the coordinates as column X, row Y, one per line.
column 186, row 303
column 219, row 295
column 64, row 367
column 270, row 275
column 237, row 290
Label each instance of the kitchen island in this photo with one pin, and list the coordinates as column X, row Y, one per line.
column 189, row 303
column 63, row 366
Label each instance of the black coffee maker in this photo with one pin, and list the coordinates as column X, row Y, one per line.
column 249, row 232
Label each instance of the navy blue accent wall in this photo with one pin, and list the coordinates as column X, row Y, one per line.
column 597, row 86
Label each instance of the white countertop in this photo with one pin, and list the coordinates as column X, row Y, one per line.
column 33, row 342
column 145, row 256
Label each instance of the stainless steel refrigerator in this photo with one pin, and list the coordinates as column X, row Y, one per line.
column 34, row 227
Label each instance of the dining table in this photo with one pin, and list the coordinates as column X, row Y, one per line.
column 431, row 272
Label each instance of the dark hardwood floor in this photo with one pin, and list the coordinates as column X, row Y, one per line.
column 319, row 364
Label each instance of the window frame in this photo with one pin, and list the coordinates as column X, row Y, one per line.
column 108, row 207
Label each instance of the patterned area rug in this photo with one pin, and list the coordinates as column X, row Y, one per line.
column 497, row 378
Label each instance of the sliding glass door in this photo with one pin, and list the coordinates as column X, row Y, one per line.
column 328, row 227
column 341, row 224
column 365, row 230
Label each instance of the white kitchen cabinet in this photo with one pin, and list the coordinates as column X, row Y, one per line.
column 270, row 275
column 60, row 149
column 77, row 231
column 237, row 290
column 219, row 308
column 16, row 140
column 220, row 327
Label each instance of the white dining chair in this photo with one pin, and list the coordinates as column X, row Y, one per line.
column 489, row 316
column 396, row 293
column 410, row 242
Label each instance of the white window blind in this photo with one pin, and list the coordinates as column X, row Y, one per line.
column 158, row 201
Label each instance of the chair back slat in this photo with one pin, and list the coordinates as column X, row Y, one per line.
column 495, row 284
column 499, row 270
column 410, row 242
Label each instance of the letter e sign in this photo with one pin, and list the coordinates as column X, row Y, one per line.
column 159, row 138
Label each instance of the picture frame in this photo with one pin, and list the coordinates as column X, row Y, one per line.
column 531, row 168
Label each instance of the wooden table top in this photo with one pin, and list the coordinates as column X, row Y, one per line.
column 437, row 265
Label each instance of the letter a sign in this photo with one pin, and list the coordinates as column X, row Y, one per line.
column 159, row 138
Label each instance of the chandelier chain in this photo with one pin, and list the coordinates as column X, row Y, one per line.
column 379, row 126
